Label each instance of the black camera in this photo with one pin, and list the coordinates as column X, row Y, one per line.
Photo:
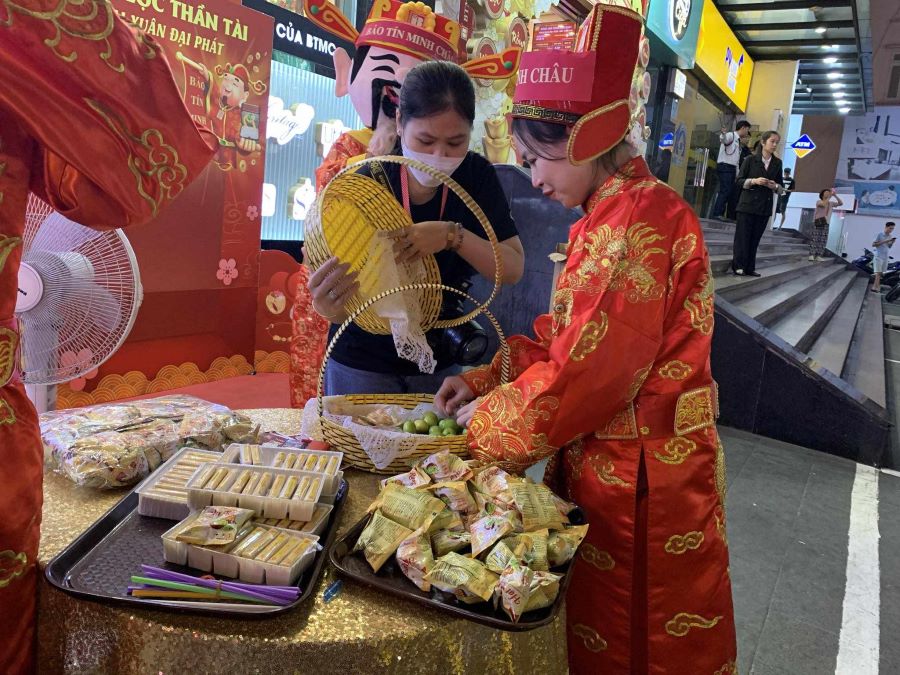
column 464, row 345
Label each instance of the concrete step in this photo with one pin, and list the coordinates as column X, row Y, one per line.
column 734, row 288
column 864, row 368
column 801, row 327
column 726, row 247
column 832, row 346
column 722, row 262
column 718, row 226
column 773, row 304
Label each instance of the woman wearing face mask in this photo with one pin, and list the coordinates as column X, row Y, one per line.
column 434, row 125
column 615, row 387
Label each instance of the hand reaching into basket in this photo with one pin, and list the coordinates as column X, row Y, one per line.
column 453, row 397
column 331, row 287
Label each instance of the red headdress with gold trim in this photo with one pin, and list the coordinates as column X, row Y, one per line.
column 589, row 88
column 412, row 28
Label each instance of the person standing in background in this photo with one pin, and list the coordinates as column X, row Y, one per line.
column 784, row 197
column 882, row 245
column 759, row 178
column 828, row 199
column 727, row 167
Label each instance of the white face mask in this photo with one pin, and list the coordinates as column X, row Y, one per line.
column 445, row 164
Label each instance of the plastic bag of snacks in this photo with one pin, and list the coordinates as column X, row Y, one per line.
column 119, row 444
column 473, row 531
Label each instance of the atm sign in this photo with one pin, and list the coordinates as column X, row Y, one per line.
column 803, row 146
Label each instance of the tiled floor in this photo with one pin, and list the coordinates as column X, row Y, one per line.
column 788, row 520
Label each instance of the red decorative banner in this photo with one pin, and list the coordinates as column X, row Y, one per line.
column 556, row 76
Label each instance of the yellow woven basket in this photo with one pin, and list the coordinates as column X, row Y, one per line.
column 351, row 210
column 344, row 440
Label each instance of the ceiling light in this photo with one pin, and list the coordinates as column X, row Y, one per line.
column 821, row 29
column 839, row 94
column 834, row 76
column 829, row 60
column 844, row 110
column 837, row 85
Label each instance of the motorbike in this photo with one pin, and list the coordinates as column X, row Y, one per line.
column 890, row 278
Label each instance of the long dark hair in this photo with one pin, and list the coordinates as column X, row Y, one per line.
column 434, row 87
column 537, row 136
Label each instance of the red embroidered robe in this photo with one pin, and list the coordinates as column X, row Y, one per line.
column 619, row 378
column 91, row 121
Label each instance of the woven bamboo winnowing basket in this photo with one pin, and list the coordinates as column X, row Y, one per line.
column 351, row 210
column 343, row 440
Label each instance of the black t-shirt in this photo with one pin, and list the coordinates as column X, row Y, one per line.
column 376, row 353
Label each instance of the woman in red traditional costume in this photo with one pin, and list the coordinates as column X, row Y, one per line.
column 92, row 122
column 615, row 388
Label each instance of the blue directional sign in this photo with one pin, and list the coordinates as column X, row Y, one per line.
column 667, row 141
column 803, row 146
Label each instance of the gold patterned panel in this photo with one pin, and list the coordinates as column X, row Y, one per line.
column 700, row 305
column 682, row 250
column 682, row 543
column 682, row 623
column 604, row 468
column 563, row 299
column 592, row 335
column 719, row 515
column 622, row 427
column 611, row 187
column 676, row 451
column 675, row 370
column 7, row 414
column 155, row 165
column 7, row 244
column 639, row 378
column 721, row 483
column 591, row 638
column 92, row 21
column 9, row 342
column 12, row 566
column 695, row 410
column 592, row 555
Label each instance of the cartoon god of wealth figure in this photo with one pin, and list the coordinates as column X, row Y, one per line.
column 395, row 38
column 230, row 113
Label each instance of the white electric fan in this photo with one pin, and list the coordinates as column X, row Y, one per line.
column 79, row 295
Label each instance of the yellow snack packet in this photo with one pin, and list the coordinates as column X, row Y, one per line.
column 447, row 519
column 215, row 526
column 492, row 480
column 381, row 538
column 488, row 530
column 561, row 545
column 414, row 478
column 456, row 495
column 445, row 541
column 544, row 589
column 534, row 549
column 411, row 508
column 503, row 552
column 534, row 501
column 416, row 559
column 445, row 466
column 453, row 573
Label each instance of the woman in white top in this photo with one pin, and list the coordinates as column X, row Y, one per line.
column 828, row 199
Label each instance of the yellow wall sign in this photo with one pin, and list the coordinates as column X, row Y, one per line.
column 722, row 58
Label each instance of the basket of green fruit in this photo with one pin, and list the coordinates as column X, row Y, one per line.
column 426, row 433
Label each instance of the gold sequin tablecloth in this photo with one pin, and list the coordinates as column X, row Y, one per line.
column 359, row 632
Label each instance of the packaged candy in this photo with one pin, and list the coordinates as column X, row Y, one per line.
column 533, row 547
column 411, row 508
column 416, row 559
column 564, row 507
column 381, row 538
column 456, row 495
column 447, row 519
column 488, row 530
column 561, row 545
column 445, row 541
column 534, row 501
column 493, row 480
column 500, row 556
column 514, row 589
column 414, row 478
column 445, row 466
column 544, row 589
column 453, row 573
column 215, row 525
